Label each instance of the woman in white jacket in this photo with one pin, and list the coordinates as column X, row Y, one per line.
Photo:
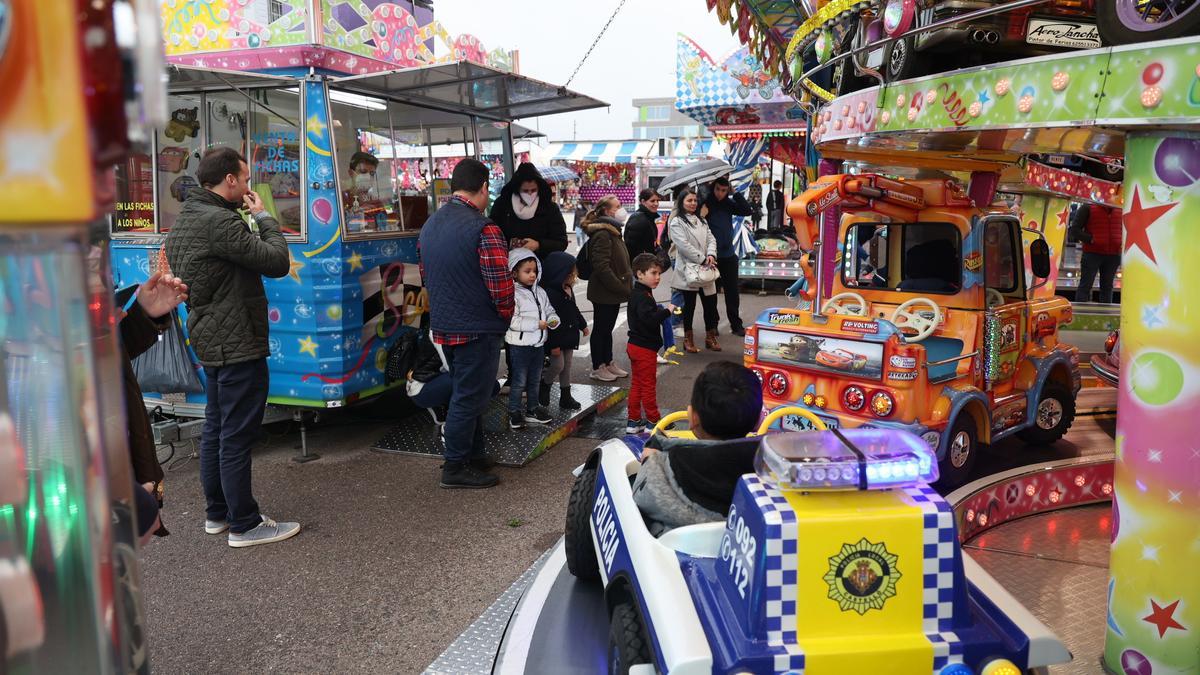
column 533, row 319
column 694, row 246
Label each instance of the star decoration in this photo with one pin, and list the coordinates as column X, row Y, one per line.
column 1137, row 221
column 1175, row 496
column 307, row 346
column 1064, row 215
column 1150, row 552
column 296, row 266
column 1163, row 618
column 315, row 126
column 983, row 97
column 355, row 261
column 1150, row 316
column 1154, row 456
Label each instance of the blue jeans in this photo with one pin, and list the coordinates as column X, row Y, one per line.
column 436, row 392
column 525, row 376
column 237, row 398
column 677, row 300
column 473, row 369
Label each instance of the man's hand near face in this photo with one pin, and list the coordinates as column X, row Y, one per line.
column 253, row 202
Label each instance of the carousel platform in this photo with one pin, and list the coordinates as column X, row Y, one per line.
column 416, row 434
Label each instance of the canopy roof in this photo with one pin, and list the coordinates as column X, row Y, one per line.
column 469, row 88
column 460, row 88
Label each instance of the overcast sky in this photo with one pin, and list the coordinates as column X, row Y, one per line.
column 635, row 59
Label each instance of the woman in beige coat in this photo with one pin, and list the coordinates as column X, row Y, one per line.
column 694, row 246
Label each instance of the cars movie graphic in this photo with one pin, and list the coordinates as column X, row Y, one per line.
column 862, row 576
column 825, row 354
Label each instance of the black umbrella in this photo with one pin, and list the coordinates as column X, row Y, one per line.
column 696, row 173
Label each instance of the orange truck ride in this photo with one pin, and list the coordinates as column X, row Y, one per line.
column 932, row 326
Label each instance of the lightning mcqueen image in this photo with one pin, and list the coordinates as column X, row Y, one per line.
column 842, row 360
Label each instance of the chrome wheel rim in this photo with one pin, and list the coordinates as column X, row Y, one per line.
column 960, row 449
column 1049, row 413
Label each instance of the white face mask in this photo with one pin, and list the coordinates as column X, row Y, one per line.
column 363, row 181
column 621, row 215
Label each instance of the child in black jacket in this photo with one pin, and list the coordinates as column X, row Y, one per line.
column 645, row 320
column 558, row 276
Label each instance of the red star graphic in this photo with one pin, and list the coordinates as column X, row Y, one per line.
column 1137, row 224
column 1163, row 617
column 1064, row 214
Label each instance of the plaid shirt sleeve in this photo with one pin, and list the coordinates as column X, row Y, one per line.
column 493, row 262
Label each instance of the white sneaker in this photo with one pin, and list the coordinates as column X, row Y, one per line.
column 603, row 374
column 267, row 532
column 215, row 526
column 615, row 369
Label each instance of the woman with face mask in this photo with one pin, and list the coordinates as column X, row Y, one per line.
column 527, row 214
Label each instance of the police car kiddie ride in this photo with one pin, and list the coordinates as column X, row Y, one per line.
column 835, row 557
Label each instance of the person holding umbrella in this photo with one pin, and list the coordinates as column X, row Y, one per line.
column 722, row 204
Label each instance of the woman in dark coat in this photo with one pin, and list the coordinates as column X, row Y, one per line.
column 527, row 214
column 641, row 230
column 610, row 284
column 558, row 278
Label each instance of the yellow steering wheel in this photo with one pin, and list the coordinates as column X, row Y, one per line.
column 778, row 414
column 770, row 419
column 671, row 419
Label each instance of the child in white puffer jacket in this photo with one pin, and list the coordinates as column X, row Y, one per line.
column 533, row 318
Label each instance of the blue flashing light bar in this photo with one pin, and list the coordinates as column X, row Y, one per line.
column 851, row 459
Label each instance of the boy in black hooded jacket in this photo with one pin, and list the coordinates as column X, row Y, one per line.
column 558, row 276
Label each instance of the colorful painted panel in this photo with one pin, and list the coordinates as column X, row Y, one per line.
column 397, row 33
column 1156, row 83
column 1153, row 611
column 195, row 26
column 733, row 93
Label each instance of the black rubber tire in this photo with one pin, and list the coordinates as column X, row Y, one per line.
column 1036, row 435
column 1114, row 32
column 627, row 641
column 913, row 65
column 949, row 475
column 581, row 553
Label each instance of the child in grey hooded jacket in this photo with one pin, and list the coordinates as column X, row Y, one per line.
column 533, row 318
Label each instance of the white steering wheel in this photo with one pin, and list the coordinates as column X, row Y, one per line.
column 915, row 321
column 834, row 306
column 994, row 299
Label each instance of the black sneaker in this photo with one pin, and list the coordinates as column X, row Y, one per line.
column 740, row 331
column 438, row 413
column 459, row 475
column 516, row 420
column 565, row 402
column 539, row 415
column 543, row 394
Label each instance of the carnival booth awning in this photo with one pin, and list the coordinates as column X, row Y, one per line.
column 469, row 88
column 604, row 152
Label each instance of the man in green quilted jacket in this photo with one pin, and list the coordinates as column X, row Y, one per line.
column 222, row 260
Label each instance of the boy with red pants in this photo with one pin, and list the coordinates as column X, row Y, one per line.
column 645, row 320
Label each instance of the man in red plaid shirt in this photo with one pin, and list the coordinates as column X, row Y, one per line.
column 464, row 262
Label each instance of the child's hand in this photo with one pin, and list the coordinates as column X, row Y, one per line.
column 671, row 308
column 587, row 331
column 542, row 325
column 647, row 452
